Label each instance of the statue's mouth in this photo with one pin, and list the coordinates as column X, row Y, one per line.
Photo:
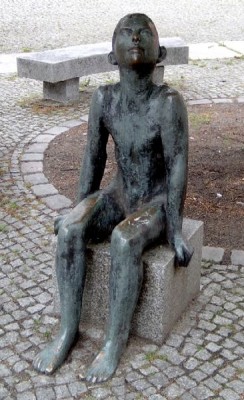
column 136, row 49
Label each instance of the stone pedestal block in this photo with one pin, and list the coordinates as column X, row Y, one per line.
column 166, row 290
column 64, row 91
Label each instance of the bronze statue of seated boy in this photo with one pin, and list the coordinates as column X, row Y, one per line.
column 148, row 124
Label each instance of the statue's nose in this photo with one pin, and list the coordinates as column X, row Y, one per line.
column 136, row 37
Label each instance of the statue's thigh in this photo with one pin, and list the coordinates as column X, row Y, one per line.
column 94, row 217
column 144, row 226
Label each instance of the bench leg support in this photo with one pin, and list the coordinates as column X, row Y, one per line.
column 64, row 91
column 158, row 75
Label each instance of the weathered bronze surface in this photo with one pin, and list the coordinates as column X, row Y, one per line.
column 148, row 124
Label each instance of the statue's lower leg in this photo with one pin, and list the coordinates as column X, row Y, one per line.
column 125, row 283
column 70, row 267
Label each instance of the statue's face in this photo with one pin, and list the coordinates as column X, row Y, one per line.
column 136, row 42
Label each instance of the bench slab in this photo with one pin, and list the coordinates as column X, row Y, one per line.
column 67, row 64
column 166, row 290
column 77, row 61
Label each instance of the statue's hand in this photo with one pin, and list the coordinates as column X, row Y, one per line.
column 183, row 253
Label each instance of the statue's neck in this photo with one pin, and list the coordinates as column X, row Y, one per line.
column 135, row 82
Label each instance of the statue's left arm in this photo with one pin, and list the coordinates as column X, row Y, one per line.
column 175, row 142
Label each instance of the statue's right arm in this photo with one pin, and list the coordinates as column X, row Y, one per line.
column 95, row 153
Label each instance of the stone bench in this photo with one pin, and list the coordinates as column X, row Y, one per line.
column 60, row 69
column 166, row 290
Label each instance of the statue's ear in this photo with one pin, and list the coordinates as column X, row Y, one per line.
column 162, row 53
column 112, row 59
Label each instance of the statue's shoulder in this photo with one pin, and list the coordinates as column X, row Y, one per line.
column 171, row 96
column 106, row 92
column 166, row 91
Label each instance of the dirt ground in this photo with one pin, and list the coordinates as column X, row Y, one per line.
column 215, row 192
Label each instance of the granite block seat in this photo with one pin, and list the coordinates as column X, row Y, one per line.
column 60, row 69
column 166, row 291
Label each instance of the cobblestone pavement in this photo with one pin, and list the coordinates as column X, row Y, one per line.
column 203, row 356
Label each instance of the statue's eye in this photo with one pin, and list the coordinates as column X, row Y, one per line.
column 146, row 32
column 126, row 31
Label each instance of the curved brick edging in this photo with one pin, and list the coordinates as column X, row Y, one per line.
column 33, row 176
column 31, row 166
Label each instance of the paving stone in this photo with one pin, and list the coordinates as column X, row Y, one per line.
column 26, row 396
column 61, row 392
column 45, row 189
column 159, row 380
column 198, row 376
column 56, row 130
column 4, row 371
column 31, row 167
column 201, row 392
column 191, row 363
column 141, row 384
column 149, row 392
column 212, row 254
column 57, row 202
column 37, row 148
column 35, row 179
column 119, row 391
column 101, row 393
column 213, row 347
column 44, row 138
column 174, row 391
column 229, row 394
column 77, row 388
column 237, row 257
column 186, row 382
column 72, row 123
column 33, row 157
column 151, row 370
column 45, row 393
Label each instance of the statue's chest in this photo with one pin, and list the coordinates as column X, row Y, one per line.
column 134, row 130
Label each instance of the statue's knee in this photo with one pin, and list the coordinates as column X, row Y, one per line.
column 69, row 234
column 120, row 244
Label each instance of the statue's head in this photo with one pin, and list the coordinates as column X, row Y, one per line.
column 135, row 42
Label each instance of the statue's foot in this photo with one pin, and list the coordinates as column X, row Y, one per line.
column 48, row 360
column 105, row 363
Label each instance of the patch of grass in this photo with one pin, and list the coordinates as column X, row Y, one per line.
column 2, row 171
column 178, row 84
column 13, row 205
column 49, row 229
column 37, row 324
column 89, row 397
column 110, row 81
column 3, row 228
column 26, row 49
column 197, row 120
column 47, row 335
column 40, row 106
column 241, row 57
column 198, row 63
column 140, row 397
column 152, row 356
column 231, row 327
column 162, row 357
column 12, row 77
column 84, row 84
